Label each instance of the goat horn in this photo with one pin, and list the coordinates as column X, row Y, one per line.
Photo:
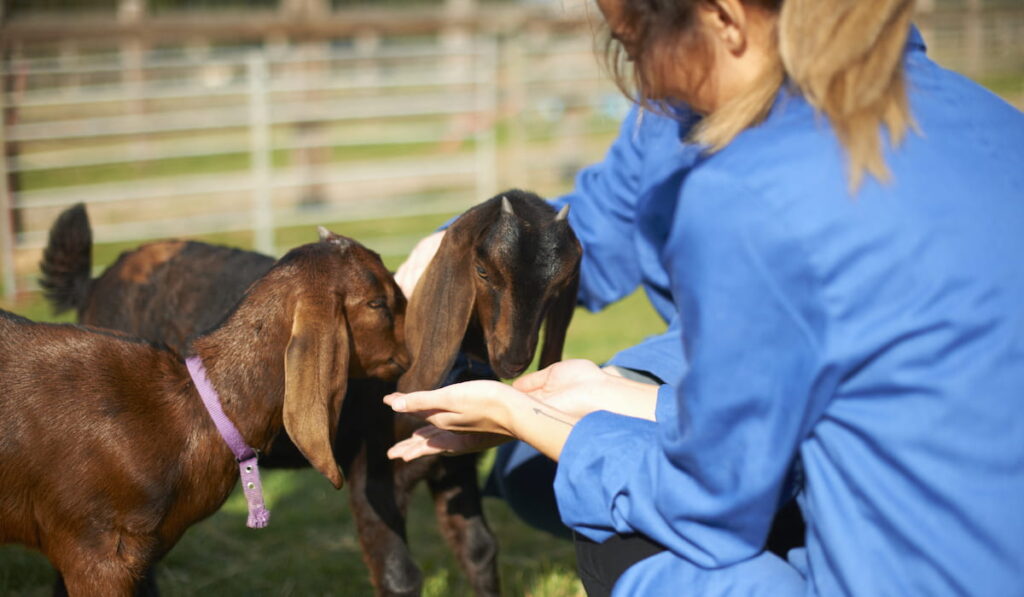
column 563, row 214
column 506, row 206
column 323, row 232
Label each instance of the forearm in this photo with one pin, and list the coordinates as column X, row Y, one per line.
column 542, row 426
column 637, row 399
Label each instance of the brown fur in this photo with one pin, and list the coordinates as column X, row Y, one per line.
column 107, row 455
column 192, row 288
column 138, row 269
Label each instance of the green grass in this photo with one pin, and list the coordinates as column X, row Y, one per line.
column 311, row 546
column 140, row 171
column 1008, row 85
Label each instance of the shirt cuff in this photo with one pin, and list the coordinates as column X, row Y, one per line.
column 667, row 407
column 662, row 357
column 764, row 575
column 600, row 456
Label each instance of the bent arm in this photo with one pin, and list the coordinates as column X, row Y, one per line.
column 706, row 479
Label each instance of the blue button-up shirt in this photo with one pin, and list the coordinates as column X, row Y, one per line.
column 875, row 337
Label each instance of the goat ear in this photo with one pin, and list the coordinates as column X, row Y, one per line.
column 438, row 313
column 315, row 379
column 557, row 323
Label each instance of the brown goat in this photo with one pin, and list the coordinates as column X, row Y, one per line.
column 107, row 455
column 531, row 261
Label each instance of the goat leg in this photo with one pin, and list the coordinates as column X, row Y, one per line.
column 459, row 509
column 379, row 503
column 98, row 581
column 116, row 563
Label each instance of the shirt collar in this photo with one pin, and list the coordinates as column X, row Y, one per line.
column 915, row 41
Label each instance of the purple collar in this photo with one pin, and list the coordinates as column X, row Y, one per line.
column 246, row 456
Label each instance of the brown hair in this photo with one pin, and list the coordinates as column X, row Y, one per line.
column 844, row 56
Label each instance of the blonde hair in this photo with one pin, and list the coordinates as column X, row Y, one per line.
column 844, row 56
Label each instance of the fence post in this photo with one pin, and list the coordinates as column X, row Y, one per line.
column 486, row 76
column 516, row 169
column 974, row 33
column 259, row 151
column 6, row 203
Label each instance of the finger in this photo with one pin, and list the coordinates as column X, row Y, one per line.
column 410, row 453
column 431, row 442
column 403, row 448
column 418, row 401
column 421, row 452
column 455, row 398
column 612, row 370
column 427, row 433
column 447, row 421
column 447, row 442
column 532, row 382
column 420, row 404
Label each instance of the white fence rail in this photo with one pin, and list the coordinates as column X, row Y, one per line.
column 205, row 139
column 255, row 140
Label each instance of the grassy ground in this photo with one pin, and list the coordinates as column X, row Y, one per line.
column 311, row 547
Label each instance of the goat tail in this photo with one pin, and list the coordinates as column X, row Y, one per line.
column 67, row 260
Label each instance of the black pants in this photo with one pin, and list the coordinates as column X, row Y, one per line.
column 601, row 564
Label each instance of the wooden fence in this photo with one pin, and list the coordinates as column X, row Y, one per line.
column 190, row 123
column 231, row 139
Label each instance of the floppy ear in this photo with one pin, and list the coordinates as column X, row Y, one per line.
column 315, row 379
column 438, row 312
column 557, row 323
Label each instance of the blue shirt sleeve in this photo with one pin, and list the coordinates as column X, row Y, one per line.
column 706, row 479
column 602, row 214
column 660, row 355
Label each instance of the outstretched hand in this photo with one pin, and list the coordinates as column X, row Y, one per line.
column 479, row 405
column 431, row 440
column 540, row 409
column 579, row 387
column 481, row 411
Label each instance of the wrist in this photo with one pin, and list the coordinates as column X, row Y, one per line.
column 516, row 415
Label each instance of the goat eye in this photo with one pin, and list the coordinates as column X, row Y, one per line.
column 480, row 270
column 377, row 304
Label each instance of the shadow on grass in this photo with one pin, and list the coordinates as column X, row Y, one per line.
column 310, row 548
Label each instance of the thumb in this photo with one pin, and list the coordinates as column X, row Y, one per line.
column 533, row 382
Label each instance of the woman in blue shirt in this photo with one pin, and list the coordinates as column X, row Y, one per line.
column 846, row 263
